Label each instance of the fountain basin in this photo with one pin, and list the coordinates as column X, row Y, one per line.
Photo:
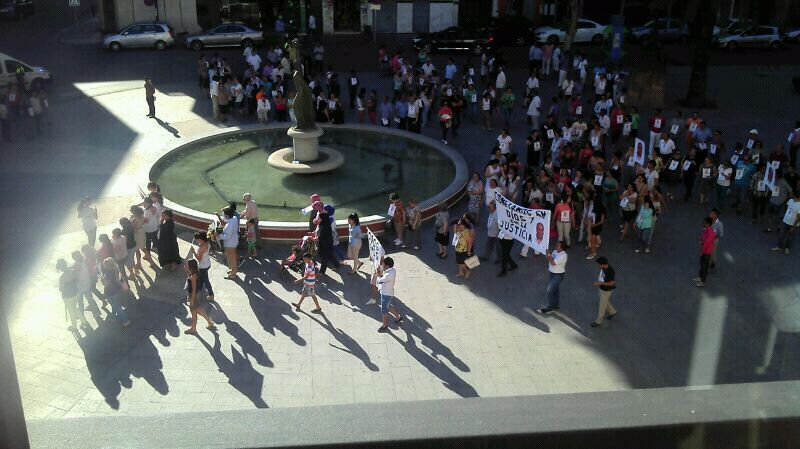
column 206, row 173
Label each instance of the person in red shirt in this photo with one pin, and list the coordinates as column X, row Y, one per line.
column 657, row 122
column 445, row 119
column 781, row 157
column 617, row 119
column 564, row 217
column 706, row 249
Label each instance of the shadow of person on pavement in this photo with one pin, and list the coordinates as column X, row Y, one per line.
column 350, row 345
column 239, row 371
column 243, row 338
column 168, row 127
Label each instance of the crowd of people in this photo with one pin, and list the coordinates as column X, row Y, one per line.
column 590, row 158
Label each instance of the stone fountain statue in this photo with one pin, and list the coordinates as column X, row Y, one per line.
column 304, row 155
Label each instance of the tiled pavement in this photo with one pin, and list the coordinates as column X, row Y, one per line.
column 477, row 337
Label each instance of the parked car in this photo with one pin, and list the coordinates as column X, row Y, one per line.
column 225, row 35
column 667, row 29
column 35, row 77
column 158, row 35
column 453, row 39
column 792, row 36
column 752, row 37
column 733, row 26
column 509, row 30
column 16, row 9
column 585, row 31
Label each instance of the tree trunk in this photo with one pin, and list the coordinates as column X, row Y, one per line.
column 267, row 17
column 572, row 24
column 702, row 30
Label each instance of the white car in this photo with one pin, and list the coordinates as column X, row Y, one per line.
column 792, row 36
column 586, row 31
column 35, row 77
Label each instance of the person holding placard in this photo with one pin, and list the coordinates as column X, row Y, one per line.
column 779, row 194
column 445, row 120
column 706, row 249
column 716, row 148
column 657, row 123
column 644, row 224
column 724, row 178
column 708, row 176
column 628, row 205
column 557, row 266
column 780, row 158
column 688, row 174
column 759, row 195
column 752, row 138
column 790, row 224
column 564, row 217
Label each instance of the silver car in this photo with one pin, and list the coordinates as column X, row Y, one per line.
column 225, row 35
column 158, row 35
column 757, row 36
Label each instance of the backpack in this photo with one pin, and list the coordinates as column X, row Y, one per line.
column 69, row 284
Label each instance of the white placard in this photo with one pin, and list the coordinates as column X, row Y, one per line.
column 734, row 159
column 712, row 148
column 762, row 187
column 537, row 145
column 739, row 173
column 673, row 165
column 706, row 172
column 598, row 180
column 750, row 143
column 579, row 110
column 657, row 123
column 392, row 209
column 550, row 134
column 353, row 81
column 548, row 197
column 687, row 164
column 565, row 216
column 376, row 251
column 595, row 141
column 529, row 226
column 693, row 127
column 674, row 129
column 620, row 118
column 385, row 121
column 638, row 151
column 626, row 128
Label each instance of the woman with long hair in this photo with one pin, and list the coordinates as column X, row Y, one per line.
column 442, row 225
column 463, row 239
column 354, row 240
column 168, row 242
column 196, row 308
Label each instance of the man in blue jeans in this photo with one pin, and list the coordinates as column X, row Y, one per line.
column 385, row 281
column 557, row 264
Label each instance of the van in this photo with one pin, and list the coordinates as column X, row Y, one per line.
column 34, row 76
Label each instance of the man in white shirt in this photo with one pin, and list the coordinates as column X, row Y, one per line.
column 492, row 230
column 213, row 90
column 535, row 110
column 791, row 222
column 428, row 68
column 666, row 147
column 254, row 60
column 230, row 240
column 385, row 281
column 557, row 265
column 500, row 82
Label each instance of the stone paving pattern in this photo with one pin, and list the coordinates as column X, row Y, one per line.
column 478, row 337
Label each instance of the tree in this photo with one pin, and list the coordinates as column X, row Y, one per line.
column 700, row 15
column 267, row 16
column 573, row 6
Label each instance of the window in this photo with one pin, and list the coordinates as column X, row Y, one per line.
column 136, row 29
column 584, row 24
column 11, row 66
column 152, row 29
column 235, row 29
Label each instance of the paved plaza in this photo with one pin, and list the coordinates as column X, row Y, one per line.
column 462, row 338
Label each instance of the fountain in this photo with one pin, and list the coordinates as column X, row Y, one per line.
column 305, row 155
column 208, row 172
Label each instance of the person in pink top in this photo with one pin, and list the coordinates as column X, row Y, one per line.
column 706, row 248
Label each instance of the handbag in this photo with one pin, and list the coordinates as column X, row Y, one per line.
column 472, row 262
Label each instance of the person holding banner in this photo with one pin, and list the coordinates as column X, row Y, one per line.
column 463, row 239
column 557, row 266
column 385, row 282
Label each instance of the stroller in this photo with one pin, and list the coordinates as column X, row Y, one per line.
column 294, row 261
column 213, row 233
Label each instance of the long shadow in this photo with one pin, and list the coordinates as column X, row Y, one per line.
column 350, row 345
column 243, row 338
column 168, row 127
column 239, row 371
column 270, row 310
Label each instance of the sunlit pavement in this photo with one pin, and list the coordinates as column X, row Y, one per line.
column 460, row 339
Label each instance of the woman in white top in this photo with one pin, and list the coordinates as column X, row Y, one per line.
column 492, row 171
column 531, row 84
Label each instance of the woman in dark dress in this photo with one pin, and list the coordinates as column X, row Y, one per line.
column 168, row 242
column 195, row 306
column 325, row 236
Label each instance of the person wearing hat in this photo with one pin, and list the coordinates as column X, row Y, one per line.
column 752, row 138
column 606, row 282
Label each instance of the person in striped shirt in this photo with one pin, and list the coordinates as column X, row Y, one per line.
column 309, row 281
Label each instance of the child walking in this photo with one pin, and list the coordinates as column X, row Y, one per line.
column 309, row 280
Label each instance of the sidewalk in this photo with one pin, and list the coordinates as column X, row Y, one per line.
column 85, row 32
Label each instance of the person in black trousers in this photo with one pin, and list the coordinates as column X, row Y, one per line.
column 506, row 242
column 150, row 96
column 325, row 236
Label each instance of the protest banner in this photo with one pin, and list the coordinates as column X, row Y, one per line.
column 638, row 152
column 376, row 251
column 529, row 226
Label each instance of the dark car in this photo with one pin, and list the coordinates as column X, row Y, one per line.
column 453, row 39
column 508, row 31
column 16, row 9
